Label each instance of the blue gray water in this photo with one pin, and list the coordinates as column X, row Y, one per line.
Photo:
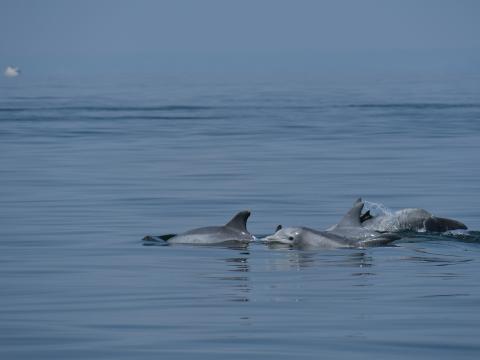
column 89, row 166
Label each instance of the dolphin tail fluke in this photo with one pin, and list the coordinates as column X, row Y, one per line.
column 151, row 238
column 166, row 237
column 437, row 224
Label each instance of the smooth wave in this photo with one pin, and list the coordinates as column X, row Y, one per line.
column 188, row 108
column 417, row 106
column 109, row 108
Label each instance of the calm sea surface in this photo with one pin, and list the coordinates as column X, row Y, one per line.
column 89, row 166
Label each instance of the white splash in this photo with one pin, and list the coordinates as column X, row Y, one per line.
column 384, row 218
column 377, row 208
column 11, row 71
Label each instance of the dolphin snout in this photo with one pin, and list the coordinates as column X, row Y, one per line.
column 268, row 238
column 275, row 239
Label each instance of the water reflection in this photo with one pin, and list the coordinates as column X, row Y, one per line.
column 301, row 259
column 235, row 281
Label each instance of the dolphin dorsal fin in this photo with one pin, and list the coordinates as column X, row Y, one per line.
column 352, row 217
column 239, row 221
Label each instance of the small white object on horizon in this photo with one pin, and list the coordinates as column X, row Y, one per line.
column 11, row 71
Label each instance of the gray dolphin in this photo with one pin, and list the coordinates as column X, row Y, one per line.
column 234, row 231
column 410, row 220
column 350, row 226
column 347, row 233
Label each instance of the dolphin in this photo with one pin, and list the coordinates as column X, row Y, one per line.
column 234, row 231
column 350, row 226
column 307, row 238
column 413, row 219
column 348, row 233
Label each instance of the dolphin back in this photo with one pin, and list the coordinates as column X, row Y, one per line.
column 381, row 239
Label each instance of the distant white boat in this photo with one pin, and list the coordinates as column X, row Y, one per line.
column 11, row 71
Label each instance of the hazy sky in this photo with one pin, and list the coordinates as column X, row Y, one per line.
column 124, row 33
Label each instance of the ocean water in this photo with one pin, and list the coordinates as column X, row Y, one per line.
column 88, row 166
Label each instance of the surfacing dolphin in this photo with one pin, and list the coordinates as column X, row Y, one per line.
column 410, row 220
column 348, row 233
column 350, row 226
column 235, row 231
column 307, row 238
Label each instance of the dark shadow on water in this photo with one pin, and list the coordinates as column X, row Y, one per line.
column 469, row 236
column 466, row 236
